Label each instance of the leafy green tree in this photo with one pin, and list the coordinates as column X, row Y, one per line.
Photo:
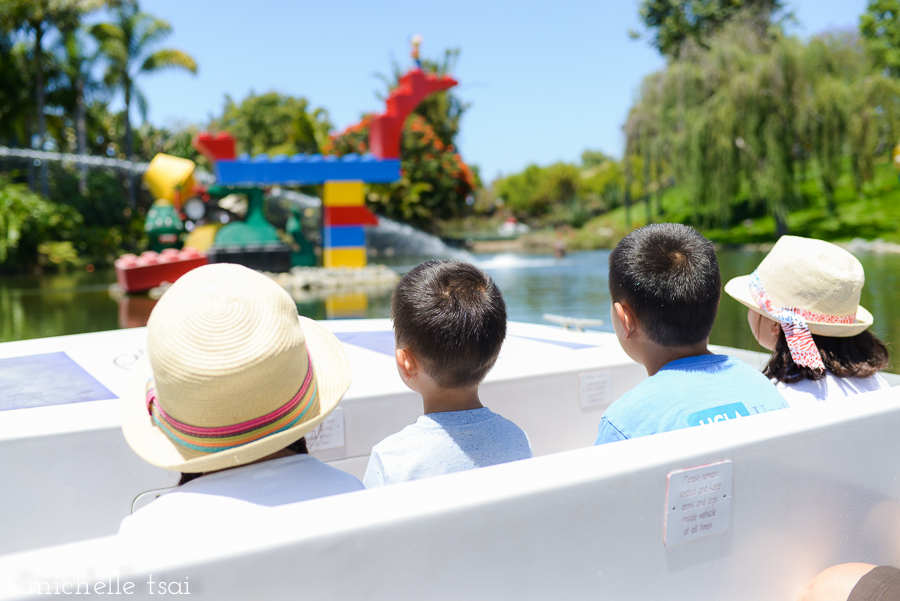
column 26, row 221
column 537, row 190
column 16, row 100
column 77, row 67
column 39, row 17
column 674, row 23
column 127, row 44
column 602, row 175
column 275, row 123
column 738, row 122
column 880, row 26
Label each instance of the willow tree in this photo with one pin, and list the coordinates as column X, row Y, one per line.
column 739, row 117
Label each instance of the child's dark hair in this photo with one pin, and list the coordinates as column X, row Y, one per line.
column 298, row 447
column 452, row 317
column 668, row 275
column 857, row 356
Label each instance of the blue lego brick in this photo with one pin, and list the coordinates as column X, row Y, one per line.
column 343, row 236
column 305, row 169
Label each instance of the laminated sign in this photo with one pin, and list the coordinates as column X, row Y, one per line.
column 698, row 502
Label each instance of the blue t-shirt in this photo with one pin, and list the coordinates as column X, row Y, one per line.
column 443, row 443
column 693, row 391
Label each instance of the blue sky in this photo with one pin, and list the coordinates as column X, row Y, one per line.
column 544, row 83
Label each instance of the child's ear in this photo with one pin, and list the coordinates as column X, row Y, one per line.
column 626, row 319
column 776, row 329
column 406, row 363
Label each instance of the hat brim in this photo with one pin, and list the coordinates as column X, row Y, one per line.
column 332, row 370
column 739, row 289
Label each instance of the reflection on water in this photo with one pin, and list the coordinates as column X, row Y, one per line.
column 55, row 305
column 575, row 286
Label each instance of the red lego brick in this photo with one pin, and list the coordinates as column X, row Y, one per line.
column 220, row 146
column 349, row 216
column 150, row 269
column 384, row 132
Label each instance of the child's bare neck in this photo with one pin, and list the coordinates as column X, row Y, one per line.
column 657, row 356
column 439, row 400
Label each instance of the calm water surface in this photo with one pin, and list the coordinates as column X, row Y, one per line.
column 576, row 286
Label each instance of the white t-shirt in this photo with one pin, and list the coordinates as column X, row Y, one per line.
column 808, row 392
column 445, row 443
column 237, row 494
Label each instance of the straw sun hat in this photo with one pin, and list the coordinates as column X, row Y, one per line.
column 820, row 279
column 231, row 373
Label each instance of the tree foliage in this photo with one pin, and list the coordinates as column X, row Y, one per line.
column 275, row 123
column 739, row 122
column 563, row 193
column 880, row 26
column 27, row 221
column 673, row 24
column 127, row 43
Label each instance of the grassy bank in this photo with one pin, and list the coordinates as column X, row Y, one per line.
column 873, row 214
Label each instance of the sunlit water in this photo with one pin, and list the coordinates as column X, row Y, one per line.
column 576, row 286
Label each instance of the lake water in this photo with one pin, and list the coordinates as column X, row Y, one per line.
column 576, row 286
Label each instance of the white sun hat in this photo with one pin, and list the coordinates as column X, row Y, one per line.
column 231, row 373
column 819, row 279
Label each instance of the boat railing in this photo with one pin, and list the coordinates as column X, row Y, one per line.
column 795, row 491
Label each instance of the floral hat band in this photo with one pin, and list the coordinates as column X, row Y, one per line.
column 793, row 321
column 806, row 285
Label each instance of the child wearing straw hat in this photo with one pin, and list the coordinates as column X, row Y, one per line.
column 665, row 287
column 231, row 382
column 449, row 324
column 803, row 305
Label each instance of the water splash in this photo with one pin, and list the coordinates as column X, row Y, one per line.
column 514, row 261
column 396, row 243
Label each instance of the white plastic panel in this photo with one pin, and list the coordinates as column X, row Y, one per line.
column 811, row 488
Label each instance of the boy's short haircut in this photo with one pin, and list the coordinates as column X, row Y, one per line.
column 452, row 316
column 668, row 275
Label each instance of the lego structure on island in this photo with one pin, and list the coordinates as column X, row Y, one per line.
column 255, row 242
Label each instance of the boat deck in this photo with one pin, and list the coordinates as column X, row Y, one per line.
column 801, row 489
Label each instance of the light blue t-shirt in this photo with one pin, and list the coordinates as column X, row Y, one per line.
column 443, row 443
column 693, row 391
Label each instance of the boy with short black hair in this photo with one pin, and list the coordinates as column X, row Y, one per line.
column 449, row 324
column 665, row 285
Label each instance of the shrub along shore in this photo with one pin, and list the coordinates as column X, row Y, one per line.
column 863, row 223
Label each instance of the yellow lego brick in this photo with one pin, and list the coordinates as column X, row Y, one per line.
column 343, row 194
column 345, row 257
column 167, row 175
column 354, row 304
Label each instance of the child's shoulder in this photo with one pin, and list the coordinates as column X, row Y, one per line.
column 482, row 418
column 687, row 377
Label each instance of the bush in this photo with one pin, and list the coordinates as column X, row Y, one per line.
column 26, row 221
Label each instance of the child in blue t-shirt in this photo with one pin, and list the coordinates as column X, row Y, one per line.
column 665, row 285
column 449, row 324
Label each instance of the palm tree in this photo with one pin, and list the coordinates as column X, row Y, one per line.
column 126, row 43
column 39, row 16
column 77, row 66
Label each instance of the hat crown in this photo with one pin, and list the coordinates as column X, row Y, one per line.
column 225, row 346
column 812, row 275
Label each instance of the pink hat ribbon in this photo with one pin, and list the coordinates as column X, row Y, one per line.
column 212, row 440
column 793, row 321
